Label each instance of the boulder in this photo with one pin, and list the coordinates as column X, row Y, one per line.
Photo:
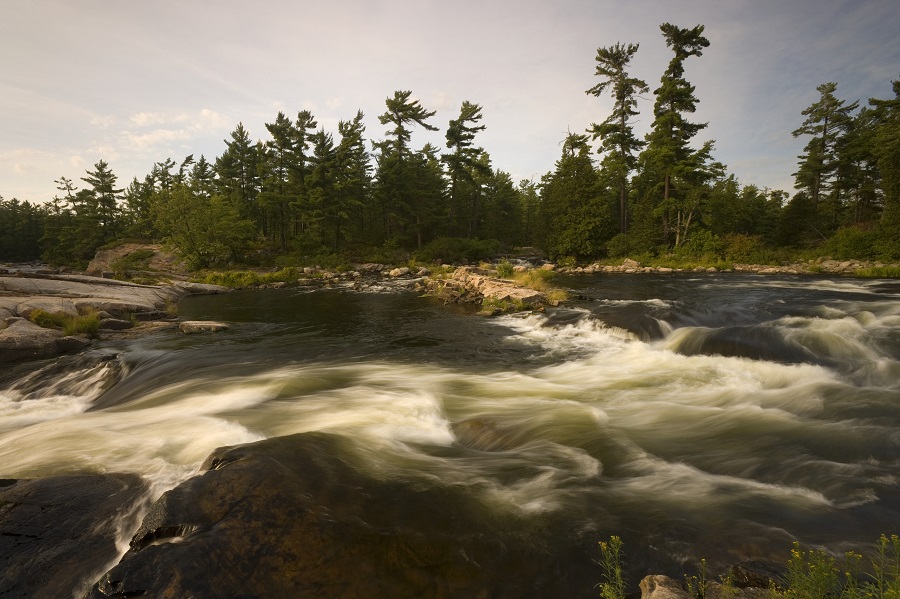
column 189, row 327
column 662, row 587
column 629, row 263
column 21, row 339
column 399, row 272
column 58, row 534
column 299, row 516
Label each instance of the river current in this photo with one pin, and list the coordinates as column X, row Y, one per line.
column 718, row 416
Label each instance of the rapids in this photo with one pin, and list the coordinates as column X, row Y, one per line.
column 717, row 416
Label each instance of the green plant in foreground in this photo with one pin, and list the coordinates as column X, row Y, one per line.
column 812, row 574
column 611, row 562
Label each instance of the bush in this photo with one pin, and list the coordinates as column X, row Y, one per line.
column 618, row 246
column 458, row 250
column 505, row 269
column 851, row 243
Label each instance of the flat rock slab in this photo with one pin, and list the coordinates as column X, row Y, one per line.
column 21, row 295
column 58, row 534
column 189, row 327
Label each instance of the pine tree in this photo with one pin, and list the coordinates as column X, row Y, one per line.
column 393, row 178
column 668, row 160
column 827, row 121
column 618, row 141
column 238, row 174
column 462, row 163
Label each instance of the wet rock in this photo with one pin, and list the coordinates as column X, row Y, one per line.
column 298, row 516
column 21, row 339
column 58, row 534
column 189, row 327
column 115, row 324
column 758, row 574
column 662, row 587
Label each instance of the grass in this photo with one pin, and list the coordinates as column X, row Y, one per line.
column 241, row 279
column 811, row 574
column 82, row 324
column 879, row 272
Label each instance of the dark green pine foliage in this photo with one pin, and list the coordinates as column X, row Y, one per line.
column 462, row 163
column 137, row 213
column 574, row 222
column 279, row 162
column 305, row 127
column 237, row 171
column 321, row 193
column 21, row 229
column 828, row 122
column 669, row 162
column 886, row 149
column 354, row 180
column 502, row 210
column 426, row 199
column 618, row 141
column 393, row 189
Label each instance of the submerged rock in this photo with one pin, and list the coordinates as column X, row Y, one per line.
column 298, row 516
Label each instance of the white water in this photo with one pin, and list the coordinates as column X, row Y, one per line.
column 591, row 422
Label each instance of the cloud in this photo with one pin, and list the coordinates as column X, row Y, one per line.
column 170, row 128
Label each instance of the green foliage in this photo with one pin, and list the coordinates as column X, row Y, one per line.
column 697, row 585
column 82, row 324
column 458, row 250
column 701, row 245
column 613, row 585
column 205, row 231
column 618, row 246
column 242, row 279
column 505, row 269
column 879, row 272
column 136, row 260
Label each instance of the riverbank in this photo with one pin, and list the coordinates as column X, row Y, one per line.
column 114, row 308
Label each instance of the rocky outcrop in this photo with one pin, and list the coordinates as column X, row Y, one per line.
column 662, row 587
column 58, row 534
column 474, row 285
column 118, row 302
column 152, row 258
column 21, row 339
column 297, row 516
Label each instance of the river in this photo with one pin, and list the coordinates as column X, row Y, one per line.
column 716, row 415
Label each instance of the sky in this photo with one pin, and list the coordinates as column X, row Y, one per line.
column 134, row 82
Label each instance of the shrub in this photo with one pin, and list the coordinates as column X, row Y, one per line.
column 505, row 269
column 458, row 250
column 618, row 246
column 853, row 243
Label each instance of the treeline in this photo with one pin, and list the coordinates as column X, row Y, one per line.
column 307, row 192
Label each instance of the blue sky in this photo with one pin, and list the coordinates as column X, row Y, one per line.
column 135, row 82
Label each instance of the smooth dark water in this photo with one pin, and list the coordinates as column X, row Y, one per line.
column 717, row 416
